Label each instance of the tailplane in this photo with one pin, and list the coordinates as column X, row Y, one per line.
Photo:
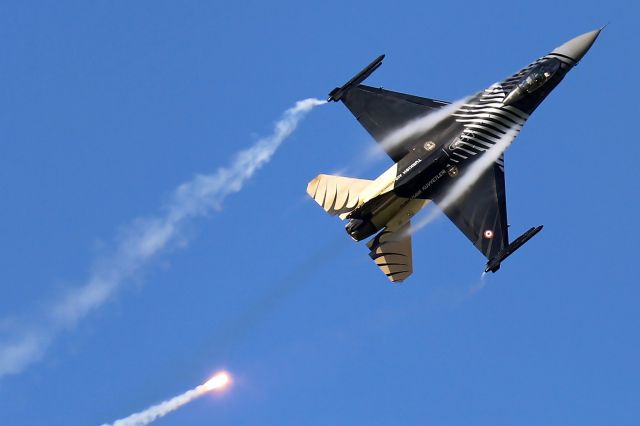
column 391, row 250
column 337, row 195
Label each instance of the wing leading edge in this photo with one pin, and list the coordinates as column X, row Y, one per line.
column 382, row 111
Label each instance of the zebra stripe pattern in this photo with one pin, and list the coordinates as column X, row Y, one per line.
column 486, row 119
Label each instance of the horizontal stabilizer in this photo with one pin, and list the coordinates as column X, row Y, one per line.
column 336, row 194
column 391, row 250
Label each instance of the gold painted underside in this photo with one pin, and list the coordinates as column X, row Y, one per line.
column 337, row 194
column 392, row 253
column 390, row 249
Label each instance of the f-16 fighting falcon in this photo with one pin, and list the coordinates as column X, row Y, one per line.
column 429, row 160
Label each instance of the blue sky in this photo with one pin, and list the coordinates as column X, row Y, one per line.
column 107, row 107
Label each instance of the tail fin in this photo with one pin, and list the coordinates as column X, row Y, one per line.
column 336, row 194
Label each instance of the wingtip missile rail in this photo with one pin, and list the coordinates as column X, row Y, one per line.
column 336, row 94
column 494, row 264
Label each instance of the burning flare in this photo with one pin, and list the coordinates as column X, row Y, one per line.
column 217, row 383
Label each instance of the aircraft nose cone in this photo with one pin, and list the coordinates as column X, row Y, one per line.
column 577, row 47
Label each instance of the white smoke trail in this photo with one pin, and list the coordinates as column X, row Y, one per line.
column 471, row 175
column 144, row 240
column 482, row 282
column 152, row 413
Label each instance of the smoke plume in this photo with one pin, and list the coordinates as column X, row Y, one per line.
column 141, row 243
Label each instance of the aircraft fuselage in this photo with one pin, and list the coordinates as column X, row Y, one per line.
column 450, row 154
column 445, row 152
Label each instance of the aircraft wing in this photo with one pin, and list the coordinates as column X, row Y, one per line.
column 382, row 111
column 481, row 213
column 391, row 250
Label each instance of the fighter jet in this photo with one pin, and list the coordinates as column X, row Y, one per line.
column 429, row 161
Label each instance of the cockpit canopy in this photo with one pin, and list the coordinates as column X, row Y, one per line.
column 539, row 75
